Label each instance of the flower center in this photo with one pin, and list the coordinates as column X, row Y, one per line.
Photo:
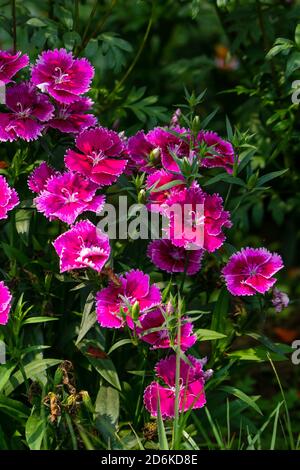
column 97, row 156
column 70, row 197
column 59, row 76
column 22, row 113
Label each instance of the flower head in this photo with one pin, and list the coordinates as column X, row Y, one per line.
column 134, row 287
column 61, row 75
column 38, row 179
column 156, row 330
column 73, row 118
column 10, row 64
column 28, row 112
column 98, row 156
column 220, row 153
column 142, row 154
column 5, row 303
column 67, row 196
column 174, row 259
column 173, row 141
column 196, row 219
column 251, row 270
column 8, row 198
column 83, row 246
column 191, row 391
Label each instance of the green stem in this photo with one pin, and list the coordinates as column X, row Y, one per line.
column 14, row 24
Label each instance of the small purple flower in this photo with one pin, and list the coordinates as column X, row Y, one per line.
column 174, row 259
column 10, row 64
column 155, row 330
column 251, row 270
column 63, row 77
column 38, row 179
column 83, row 246
column 28, row 112
column 73, row 118
column 8, row 198
column 5, row 303
column 67, row 196
column 280, row 300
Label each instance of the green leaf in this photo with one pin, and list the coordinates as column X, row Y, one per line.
column 162, row 437
column 108, row 403
column 105, row 367
column 36, row 22
column 35, row 430
column 119, row 344
column 242, row 396
column 13, row 408
column 32, row 371
column 208, row 335
column 88, row 318
column 226, row 179
column 270, row 176
column 293, row 63
column 297, row 35
column 5, row 373
column 31, row 320
column 258, row 354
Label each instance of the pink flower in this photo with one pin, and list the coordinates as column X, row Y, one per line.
column 63, row 77
column 5, row 303
column 10, row 64
column 159, row 179
column 134, row 287
column 163, row 337
column 171, row 141
column 196, row 219
column 28, row 111
column 191, row 392
column 250, row 271
column 72, row 118
column 38, row 179
column 8, row 198
column 174, row 259
column 220, row 152
column 83, row 246
column 67, row 196
column 142, row 154
column 99, row 156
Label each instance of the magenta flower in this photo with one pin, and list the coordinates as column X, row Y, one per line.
column 63, row 77
column 173, row 141
column 143, row 155
column 220, row 152
column 159, row 179
column 134, row 287
column 10, row 64
column 8, row 198
column 99, row 156
column 28, row 111
column 191, row 392
column 174, row 259
column 196, row 219
column 67, row 196
column 38, row 179
column 73, row 118
column 250, row 271
column 5, row 303
column 83, row 246
column 161, row 338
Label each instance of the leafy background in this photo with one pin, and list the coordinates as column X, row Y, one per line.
column 59, row 361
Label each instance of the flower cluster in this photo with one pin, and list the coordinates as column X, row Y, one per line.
column 172, row 158
column 51, row 98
